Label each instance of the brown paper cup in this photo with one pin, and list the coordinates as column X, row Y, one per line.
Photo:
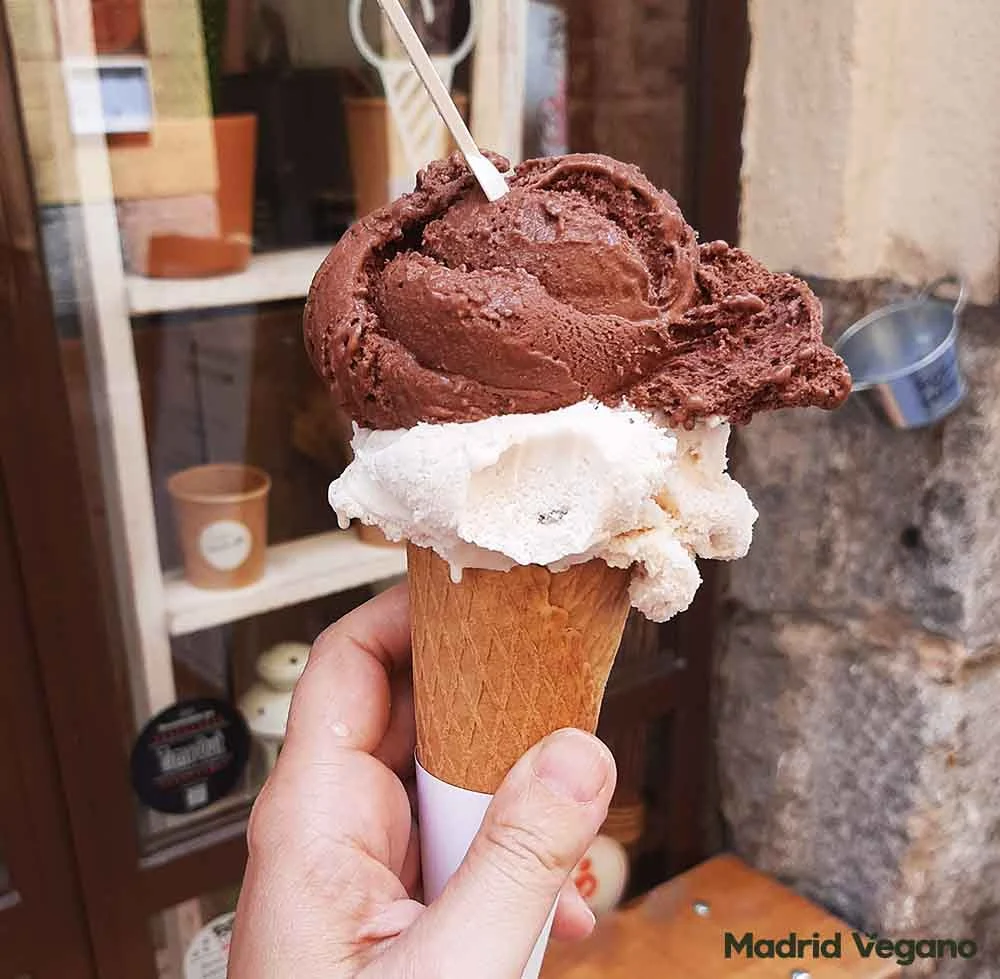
column 221, row 512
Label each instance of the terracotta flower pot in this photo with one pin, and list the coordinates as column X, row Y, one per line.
column 117, row 25
column 236, row 151
column 379, row 166
column 160, row 242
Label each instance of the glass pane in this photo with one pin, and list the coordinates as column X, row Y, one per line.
column 191, row 940
column 191, row 172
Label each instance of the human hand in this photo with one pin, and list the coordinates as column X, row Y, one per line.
column 332, row 881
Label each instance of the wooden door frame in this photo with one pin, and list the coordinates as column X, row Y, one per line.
column 34, row 830
column 72, row 633
column 719, row 55
column 44, row 486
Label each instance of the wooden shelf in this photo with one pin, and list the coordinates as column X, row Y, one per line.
column 296, row 572
column 270, row 277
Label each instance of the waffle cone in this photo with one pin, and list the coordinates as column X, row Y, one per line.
column 502, row 659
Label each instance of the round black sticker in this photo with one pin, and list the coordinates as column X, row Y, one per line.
column 190, row 755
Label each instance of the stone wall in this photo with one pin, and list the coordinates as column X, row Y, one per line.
column 858, row 690
column 872, row 137
column 858, row 698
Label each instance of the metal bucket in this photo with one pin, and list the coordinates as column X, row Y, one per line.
column 903, row 358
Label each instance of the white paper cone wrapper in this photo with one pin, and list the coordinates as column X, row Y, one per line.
column 450, row 817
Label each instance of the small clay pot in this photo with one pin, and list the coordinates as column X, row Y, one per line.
column 221, row 512
column 117, row 25
column 203, row 234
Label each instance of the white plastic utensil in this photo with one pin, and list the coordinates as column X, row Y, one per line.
column 415, row 118
column 489, row 177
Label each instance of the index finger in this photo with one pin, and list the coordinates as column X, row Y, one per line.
column 330, row 830
column 343, row 699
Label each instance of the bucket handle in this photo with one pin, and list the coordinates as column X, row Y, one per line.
column 928, row 292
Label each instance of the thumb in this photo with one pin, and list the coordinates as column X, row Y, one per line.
column 544, row 816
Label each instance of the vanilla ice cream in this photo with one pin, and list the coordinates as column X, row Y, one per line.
column 556, row 489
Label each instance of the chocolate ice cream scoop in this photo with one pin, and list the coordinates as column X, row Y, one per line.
column 584, row 281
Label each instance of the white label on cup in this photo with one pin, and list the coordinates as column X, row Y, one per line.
column 207, row 956
column 225, row 544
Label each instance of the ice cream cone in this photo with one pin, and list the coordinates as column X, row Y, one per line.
column 501, row 659
column 542, row 378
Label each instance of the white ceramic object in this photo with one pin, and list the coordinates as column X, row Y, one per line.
column 267, row 703
column 207, row 956
column 602, row 875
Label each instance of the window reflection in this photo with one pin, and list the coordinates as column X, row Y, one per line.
column 192, row 938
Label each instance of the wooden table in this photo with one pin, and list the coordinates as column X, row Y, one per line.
column 677, row 932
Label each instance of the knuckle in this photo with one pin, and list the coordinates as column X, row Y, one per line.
column 266, row 825
column 334, row 872
column 521, row 852
column 275, row 821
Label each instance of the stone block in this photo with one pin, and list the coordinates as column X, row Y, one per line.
column 859, row 669
column 855, row 516
column 857, row 763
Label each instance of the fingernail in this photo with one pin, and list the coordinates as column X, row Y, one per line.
column 573, row 765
